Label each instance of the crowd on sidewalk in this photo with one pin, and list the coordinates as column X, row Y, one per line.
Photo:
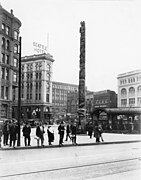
column 9, row 133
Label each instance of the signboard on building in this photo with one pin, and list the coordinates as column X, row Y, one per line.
column 39, row 48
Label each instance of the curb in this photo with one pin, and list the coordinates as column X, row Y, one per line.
column 67, row 145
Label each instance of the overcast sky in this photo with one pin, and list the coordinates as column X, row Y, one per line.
column 113, row 36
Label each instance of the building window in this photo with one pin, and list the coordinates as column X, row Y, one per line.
column 6, row 92
column 131, row 101
column 40, row 76
column 7, row 30
column 139, row 90
column 2, row 73
column 23, row 67
column 123, row 92
column 16, row 34
column 131, row 91
column 7, row 74
column 16, row 49
column 3, row 43
column 15, row 62
column 2, row 92
column 14, row 76
column 3, row 27
column 8, row 45
column 123, row 102
column 47, row 97
column 48, row 67
column 139, row 101
column 39, row 96
column 7, row 59
column 3, row 57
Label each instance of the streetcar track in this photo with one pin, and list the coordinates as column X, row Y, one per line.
column 70, row 167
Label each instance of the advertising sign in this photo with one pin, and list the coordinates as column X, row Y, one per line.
column 39, row 48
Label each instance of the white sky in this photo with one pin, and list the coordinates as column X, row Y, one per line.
column 113, row 36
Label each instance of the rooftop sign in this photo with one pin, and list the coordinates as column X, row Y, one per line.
column 39, row 48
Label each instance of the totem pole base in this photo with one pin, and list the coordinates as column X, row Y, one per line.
column 82, row 125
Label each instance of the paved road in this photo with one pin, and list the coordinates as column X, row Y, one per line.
column 76, row 162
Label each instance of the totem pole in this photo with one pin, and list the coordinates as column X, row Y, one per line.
column 82, row 93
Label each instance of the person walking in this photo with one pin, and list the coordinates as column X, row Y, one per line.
column 73, row 133
column 67, row 131
column 96, row 132
column 26, row 133
column 40, row 134
column 5, row 133
column 100, row 132
column 50, row 133
column 13, row 131
column 90, row 129
column 61, row 130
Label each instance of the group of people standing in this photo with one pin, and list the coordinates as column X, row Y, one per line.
column 71, row 131
column 97, row 129
column 10, row 132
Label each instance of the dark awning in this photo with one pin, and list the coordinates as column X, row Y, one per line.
column 123, row 110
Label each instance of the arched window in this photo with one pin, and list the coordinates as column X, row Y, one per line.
column 123, row 92
column 131, row 91
column 139, row 90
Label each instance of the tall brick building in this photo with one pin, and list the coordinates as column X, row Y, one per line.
column 9, row 59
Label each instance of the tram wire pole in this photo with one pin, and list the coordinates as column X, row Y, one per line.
column 19, row 96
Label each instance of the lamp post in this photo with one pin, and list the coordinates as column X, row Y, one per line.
column 19, row 95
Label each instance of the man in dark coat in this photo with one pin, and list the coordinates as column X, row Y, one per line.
column 97, row 132
column 13, row 131
column 40, row 134
column 68, row 131
column 61, row 130
column 73, row 133
column 5, row 133
column 26, row 133
column 90, row 129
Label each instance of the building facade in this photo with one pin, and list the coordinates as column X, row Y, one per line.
column 36, row 87
column 106, row 98
column 60, row 93
column 129, row 89
column 9, row 60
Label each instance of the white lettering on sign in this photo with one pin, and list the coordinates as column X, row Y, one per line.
column 39, row 48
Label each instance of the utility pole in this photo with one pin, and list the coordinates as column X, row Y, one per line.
column 82, row 93
column 19, row 96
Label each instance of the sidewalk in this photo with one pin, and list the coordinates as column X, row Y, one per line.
column 82, row 140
